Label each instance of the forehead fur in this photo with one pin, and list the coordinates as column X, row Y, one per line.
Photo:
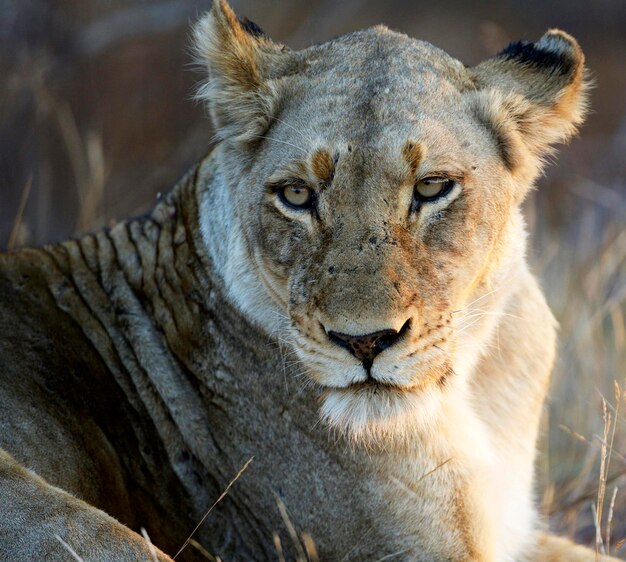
column 377, row 48
column 377, row 74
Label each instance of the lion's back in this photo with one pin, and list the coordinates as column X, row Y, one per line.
column 55, row 390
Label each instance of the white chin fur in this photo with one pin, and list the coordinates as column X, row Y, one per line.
column 377, row 416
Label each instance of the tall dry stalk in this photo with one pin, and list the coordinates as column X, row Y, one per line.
column 19, row 215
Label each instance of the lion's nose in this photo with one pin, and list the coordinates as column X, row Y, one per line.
column 366, row 347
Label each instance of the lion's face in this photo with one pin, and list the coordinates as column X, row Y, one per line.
column 370, row 212
column 375, row 206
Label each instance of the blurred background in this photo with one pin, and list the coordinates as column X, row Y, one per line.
column 97, row 117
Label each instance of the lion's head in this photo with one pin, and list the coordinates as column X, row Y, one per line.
column 371, row 190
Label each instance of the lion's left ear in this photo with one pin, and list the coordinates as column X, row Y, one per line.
column 531, row 96
column 242, row 63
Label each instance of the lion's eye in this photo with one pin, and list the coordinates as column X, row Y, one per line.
column 429, row 189
column 298, row 196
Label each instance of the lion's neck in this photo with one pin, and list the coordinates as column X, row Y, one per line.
column 225, row 245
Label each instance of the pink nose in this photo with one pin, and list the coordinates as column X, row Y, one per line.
column 366, row 347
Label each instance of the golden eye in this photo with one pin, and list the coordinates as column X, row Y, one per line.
column 429, row 189
column 298, row 196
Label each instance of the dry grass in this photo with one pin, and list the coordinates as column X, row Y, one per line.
column 579, row 252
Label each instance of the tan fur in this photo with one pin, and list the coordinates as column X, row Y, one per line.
column 412, row 153
column 142, row 366
column 323, row 166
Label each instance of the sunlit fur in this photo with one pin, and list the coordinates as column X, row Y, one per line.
column 333, row 117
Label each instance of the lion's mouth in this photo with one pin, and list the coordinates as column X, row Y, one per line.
column 374, row 386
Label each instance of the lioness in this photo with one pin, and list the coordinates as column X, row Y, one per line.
column 357, row 226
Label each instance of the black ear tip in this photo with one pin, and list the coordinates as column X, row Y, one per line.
column 515, row 50
column 551, row 53
column 251, row 28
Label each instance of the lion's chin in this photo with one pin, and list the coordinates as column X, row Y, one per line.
column 377, row 414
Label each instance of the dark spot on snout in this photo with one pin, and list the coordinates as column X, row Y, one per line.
column 373, row 240
column 331, row 270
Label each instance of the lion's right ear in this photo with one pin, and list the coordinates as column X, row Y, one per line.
column 241, row 63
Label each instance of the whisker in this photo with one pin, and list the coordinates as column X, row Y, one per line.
column 488, row 313
column 281, row 142
column 293, row 128
column 478, row 299
column 465, row 328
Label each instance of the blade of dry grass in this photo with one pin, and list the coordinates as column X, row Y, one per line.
column 609, row 521
column 19, row 215
column 278, row 545
column 291, row 529
column 151, row 548
column 69, row 549
column 218, row 500
column 309, row 547
column 195, row 544
column 606, row 416
column 608, row 442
